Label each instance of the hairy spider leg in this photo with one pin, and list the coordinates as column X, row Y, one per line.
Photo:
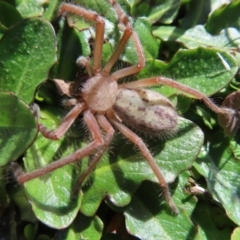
column 100, row 25
column 107, row 127
column 148, row 156
column 183, row 89
column 65, row 124
column 122, row 17
column 96, row 143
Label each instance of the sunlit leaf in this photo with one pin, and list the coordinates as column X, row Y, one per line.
column 82, row 228
column 198, row 36
column 153, row 221
column 18, row 127
column 218, row 165
column 25, row 60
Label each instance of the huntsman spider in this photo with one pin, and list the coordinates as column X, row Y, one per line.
column 107, row 106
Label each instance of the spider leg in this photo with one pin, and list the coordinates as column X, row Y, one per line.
column 122, row 17
column 78, row 155
column 100, row 24
column 145, row 152
column 65, row 124
column 117, row 52
column 106, row 126
column 183, row 88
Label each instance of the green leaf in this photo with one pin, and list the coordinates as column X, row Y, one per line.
column 204, row 69
column 8, row 15
column 50, row 11
column 225, row 16
column 153, row 221
column 30, row 231
column 162, row 11
column 221, row 170
column 67, row 38
column 211, row 221
column 119, row 175
column 82, row 228
column 29, row 8
column 198, row 36
column 236, row 234
column 18, row 127
column 151, row 44
column 196, row 13
column 24, row 207
column 25, row 60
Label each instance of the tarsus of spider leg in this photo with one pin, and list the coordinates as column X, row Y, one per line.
column 145, row 152
column 103, row 122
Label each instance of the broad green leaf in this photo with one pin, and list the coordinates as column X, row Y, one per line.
column 155, row 221
column 25, row 60
column 18, row 127
column 51, row 195
column 211, row 221
column 66, row 67
column 236, row 234
column 30, row 8
column 120, row 174
column 82, row 228
column 24, row 207
column 196, row 13
column 221, row 170
column 30, row 231
column 8, row 16
column 225, row 16
column 162, row 11
column 151, row 44
column 198, row 36
column 204, row 69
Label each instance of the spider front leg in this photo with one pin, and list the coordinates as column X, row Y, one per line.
column 145, row 152
column 78, row 155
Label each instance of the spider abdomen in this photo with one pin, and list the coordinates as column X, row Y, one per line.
column 146, row 111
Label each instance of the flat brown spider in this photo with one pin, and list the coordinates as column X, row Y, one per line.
column 107, row 105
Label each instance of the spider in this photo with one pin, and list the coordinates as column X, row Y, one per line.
column 107, row 105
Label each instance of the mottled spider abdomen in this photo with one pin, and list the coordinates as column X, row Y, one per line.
column 146, row 111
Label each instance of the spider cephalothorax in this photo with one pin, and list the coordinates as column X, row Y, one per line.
column 107, row 105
